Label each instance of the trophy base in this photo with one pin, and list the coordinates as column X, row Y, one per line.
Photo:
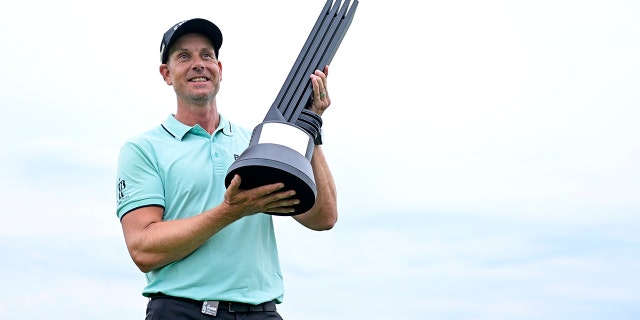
column 267, row 163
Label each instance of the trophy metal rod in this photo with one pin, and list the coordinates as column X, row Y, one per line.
column 301, row 77
column 305, row 48
column 318, row 50
column 328, row 49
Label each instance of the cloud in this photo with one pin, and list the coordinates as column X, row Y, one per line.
column 460, row 266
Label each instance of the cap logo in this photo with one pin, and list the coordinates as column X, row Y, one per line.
column 178, row 25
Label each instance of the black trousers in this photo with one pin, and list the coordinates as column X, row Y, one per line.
column 170, row 308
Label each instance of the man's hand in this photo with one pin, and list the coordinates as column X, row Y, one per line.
column 320, row 100
column 268, row 198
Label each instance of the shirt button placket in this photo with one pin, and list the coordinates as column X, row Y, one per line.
column 218, row 167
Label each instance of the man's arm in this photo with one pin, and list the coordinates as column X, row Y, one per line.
column 153, row 243
column 324, row 213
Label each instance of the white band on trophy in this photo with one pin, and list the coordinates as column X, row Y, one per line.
column 284, row 134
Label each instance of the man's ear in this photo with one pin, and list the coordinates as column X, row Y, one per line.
column 164, row 71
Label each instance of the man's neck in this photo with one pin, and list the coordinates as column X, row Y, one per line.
column 205, row 116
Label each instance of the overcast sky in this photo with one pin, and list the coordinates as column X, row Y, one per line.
column 485, row 152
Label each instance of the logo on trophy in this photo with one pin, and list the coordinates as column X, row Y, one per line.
column 281, row 147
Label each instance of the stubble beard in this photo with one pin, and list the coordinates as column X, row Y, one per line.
column 199, row 99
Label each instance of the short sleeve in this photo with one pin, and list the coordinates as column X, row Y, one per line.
column 139, row 182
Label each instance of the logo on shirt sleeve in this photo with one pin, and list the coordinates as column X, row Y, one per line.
column 121, row 185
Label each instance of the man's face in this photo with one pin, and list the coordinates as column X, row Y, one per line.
column 192, row 69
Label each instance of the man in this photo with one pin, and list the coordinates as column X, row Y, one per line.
column 207, row 250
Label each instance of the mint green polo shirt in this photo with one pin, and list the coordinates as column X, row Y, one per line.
column 182, row 169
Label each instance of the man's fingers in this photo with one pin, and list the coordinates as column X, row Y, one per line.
column 235, row 182
column 282, row 206
column 269, row 188
column 267, row 198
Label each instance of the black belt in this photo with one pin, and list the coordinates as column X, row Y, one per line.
column 225, row 305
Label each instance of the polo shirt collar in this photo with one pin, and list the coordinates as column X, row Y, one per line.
column 178, row 129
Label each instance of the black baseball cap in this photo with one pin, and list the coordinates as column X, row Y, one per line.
column 197, row 25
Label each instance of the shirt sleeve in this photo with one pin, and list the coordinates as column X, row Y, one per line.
column 139, row 182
